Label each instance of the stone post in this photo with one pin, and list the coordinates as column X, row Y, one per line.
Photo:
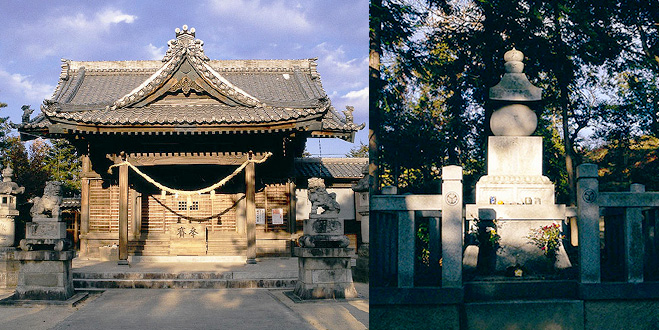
column 361, row 189
column 588, row 216
column 452, row 227
column 634, row 240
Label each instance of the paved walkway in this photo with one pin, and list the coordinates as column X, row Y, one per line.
column 192, row 308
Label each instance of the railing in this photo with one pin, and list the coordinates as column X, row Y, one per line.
column 394, row 226
column 628, row 234
column 632, row 244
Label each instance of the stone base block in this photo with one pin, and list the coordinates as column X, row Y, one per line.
column 324, row 274
column 45, row 230
column 515, row 248
column 108, row 253
column 8, row 268
column 515, row 190
column 323, row 224
column 514, row 155
column 44, row 275
column 361, row 269
column 553, row 314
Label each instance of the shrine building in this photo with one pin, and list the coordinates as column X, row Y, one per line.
column 188, row 156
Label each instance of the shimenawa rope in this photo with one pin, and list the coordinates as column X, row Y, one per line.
column 192, row 192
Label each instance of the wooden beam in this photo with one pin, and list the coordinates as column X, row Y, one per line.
column 189, row 158
column 250, row 212
column 123, row 214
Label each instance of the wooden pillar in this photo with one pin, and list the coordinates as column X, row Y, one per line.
column 250, row 212
column 84, row 204
column 123, row 215
column 136, row 219
column 292, row 211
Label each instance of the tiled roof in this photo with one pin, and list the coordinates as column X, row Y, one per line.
column 186, row 88
column 186, row 114
column 345, row 168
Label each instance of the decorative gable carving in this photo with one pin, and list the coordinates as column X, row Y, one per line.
column 186, row 70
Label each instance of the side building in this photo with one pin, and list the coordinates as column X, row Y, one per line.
column 179, row 154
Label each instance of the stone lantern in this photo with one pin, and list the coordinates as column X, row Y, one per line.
column 8, row 192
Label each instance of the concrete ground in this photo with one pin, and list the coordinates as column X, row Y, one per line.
column 191, row 308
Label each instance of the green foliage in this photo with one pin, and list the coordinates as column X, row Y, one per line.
column 624, row 162
column 547, row 238
column 597, row 62
column 63, row 164
column 29, row 171
column 360, row 151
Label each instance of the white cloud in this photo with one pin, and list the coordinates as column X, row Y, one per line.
column 102, row 21
column 356, row 95
column 156, row 53
column 276, row 15
column 350, row 73
column 111, row 16
column 23, row 86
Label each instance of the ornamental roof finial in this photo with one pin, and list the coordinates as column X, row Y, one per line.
column 184, row 31
column 185, row 42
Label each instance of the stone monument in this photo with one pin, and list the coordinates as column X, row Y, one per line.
column 323, row 256
column 45, row 262
column 361, row 189
column 514, row 197
column 8, row 193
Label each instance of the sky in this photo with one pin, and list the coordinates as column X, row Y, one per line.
column 37, row 34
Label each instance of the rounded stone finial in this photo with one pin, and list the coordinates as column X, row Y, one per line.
column 7, row 174
column 514, row 60
column 513, row 55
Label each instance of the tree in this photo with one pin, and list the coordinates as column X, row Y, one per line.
column 29, row 170
column 360, row 151
column 63, row 164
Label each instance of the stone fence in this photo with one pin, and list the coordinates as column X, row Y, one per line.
column 393, row 235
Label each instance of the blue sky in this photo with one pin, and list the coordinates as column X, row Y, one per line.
column 37, row 34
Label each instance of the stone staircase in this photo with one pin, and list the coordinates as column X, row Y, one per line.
column 192, row 280
column 271, row 273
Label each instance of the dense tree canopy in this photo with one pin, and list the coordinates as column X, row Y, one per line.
column 597, row 62
column 38, row 161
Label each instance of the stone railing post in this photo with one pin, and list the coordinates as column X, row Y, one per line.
column 634, row 241
column 452, row 228
column 588, row 223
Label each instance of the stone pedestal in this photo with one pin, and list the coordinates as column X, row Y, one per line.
column 8, row 268
column 324, row 231
column 48, row 232
column 44, row 275
column 324, row 273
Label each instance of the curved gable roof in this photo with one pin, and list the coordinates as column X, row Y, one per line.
column 186, row 87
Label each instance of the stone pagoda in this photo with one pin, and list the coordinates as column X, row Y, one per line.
column 514, row 192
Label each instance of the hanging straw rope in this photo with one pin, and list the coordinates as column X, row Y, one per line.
column 192, row 192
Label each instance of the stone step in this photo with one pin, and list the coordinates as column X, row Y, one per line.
column 183, row 276
column 100, row 284
column 521, row 314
